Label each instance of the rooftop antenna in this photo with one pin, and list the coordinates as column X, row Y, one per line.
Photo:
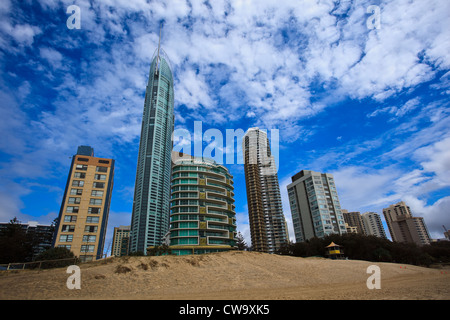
column 159, row 47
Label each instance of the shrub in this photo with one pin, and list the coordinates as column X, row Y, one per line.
column 122, row 269
column 371, row 248
column 58, row 253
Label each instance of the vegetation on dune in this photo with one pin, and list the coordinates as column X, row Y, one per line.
column 371, row 248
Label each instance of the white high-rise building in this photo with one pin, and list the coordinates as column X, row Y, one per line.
column 315, row 207
column 373, row 224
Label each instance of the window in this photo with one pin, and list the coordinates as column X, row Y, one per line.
column 72, row 209
column 94, row 210
column 99, row 185
column 90, row 229
column 95, row 201
column 103, row 161
column 67, row 246
column 97, row 193
column 74, row 200
column 80, row 175
column 87, row 248
column 81, row 167
column 92, row 219
column 102, row 169
column 76, row 192
column 100, row 177
column 83, row 159
column 77, row 183
column 70, row 218
column 66, row 238
column 89, row 238
column 68, row 228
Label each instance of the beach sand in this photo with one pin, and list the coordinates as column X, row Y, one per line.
column 233, row 275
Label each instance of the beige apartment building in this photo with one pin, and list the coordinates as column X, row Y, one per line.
column 354, row 220
column 120, row 242
column 404, row 227
column 265, row 211
column 83, row 217
column 373, row 224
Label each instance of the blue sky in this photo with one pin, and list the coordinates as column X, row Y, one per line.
column 370, row 106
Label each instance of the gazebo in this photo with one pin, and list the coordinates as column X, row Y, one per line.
column 334, row 251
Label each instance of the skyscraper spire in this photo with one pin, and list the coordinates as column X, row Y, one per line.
column 159, row 47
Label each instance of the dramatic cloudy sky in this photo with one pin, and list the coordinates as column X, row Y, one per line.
column 370, row 106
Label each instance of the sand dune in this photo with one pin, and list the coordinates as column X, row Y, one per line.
column 228, row 276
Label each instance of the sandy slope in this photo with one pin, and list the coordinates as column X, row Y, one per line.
column 228, row 276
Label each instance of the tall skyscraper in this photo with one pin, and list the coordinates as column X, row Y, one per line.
column 150, row 214
column 203, row 217
column 83, row 217
column 267, row 223
column 403, row 227
column 373, row 225
column 315, row 207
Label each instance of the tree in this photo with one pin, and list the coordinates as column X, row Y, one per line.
column 15, row 244
column 58, row 253
column 159, row 250
column 240, row 243
column 371, row 248
column 136, row 254
column 55, row 254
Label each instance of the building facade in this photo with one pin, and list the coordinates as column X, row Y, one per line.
column 120, row 242
column 267, row 223
column 405, row 228
column 150, row 214
column 83, row 217
column 315, row 207
column 354, row 220
column 203, row 217
column 373, row 224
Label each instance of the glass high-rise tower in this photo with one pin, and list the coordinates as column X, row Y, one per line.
column 151, row 205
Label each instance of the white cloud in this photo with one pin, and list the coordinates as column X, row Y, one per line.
column 193, row 91
column 53, row 57
column 24, row 34
column 398, row 112
column 436, row 160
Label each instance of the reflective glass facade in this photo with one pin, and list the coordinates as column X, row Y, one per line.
column 150, row 216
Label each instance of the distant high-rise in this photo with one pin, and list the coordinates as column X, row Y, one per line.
column 203, row 217
column 373, row 225
column 150, row 215
column 120, row 241
column 354, row 219
column 267, row 223
column 405, row 228
column 315, row 207
column 83, row 217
